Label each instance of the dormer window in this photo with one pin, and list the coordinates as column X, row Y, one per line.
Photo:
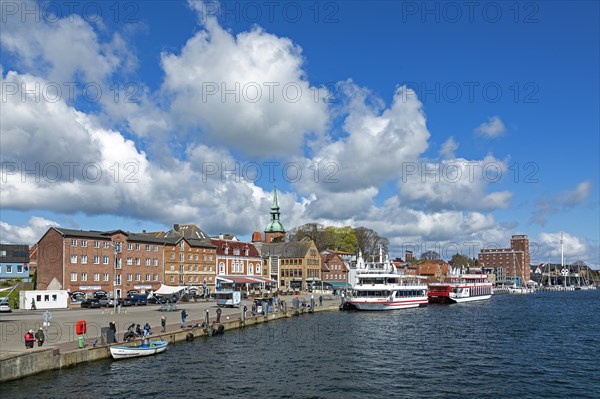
column 226, row 249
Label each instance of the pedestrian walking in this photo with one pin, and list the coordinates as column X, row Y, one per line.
column 320, row 300
column 218, row 315
column 163, row 323
column 183, row 317
column 33, row 307
column 39, row 336
column 29, row 339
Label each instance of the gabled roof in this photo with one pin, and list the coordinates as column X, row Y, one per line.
column 187, row 231
column 292, row 249
column 240, row 245
column 330, row 259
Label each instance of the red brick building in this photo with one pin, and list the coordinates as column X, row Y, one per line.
column 509, row 264
column 436, row 270
column 91, row 261
column 334, row 270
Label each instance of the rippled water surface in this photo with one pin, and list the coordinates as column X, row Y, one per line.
column 541, row 345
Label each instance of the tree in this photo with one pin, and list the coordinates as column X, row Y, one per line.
column 369, row 242
column 459, row 260
column 313, row 231
column 341, row 238
column 430, row 255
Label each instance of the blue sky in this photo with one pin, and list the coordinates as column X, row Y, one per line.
column 506, row 88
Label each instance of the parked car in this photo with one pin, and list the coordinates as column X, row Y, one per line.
column 106, row 302
column 90, row 303
column 138, row 299
column 5, row 307
column 124, row 302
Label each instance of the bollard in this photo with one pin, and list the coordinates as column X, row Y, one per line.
column 80, row 342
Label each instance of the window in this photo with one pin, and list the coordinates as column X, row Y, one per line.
column 191, row 257
column 250, row 268
column 73, row 276
column 155, row 261
column 83, row 259
column 96, row 244
column 105, row 260
column 181, row 257
column 173, row 267
column 105, row 277
column 8, row 268
column 119, row 263
column 196, row 256
column 155, row 277
column 148, row 247
column 190, row 279
column 182, row 245
column 118, row 279
column 19, row 269
column 74, row 244
column 83, row 276
column 138, row 277
column 96, row 260
column 172, row 255
column 196, row 268
column 138, row 261
column 221, row 268
column 106, row 245
column 129, row 277
column 96, row 276
column 129, row 261
column 73, row 258
column 84, row 243
column 137, row 247
column 156, row 248
column 147, row 277
column 148, row 261
column 172, row 279
column 209, row 257
column 210, row 279
column 130, row 246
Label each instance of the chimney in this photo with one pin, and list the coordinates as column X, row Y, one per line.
column 176, row 227
column 220, row 236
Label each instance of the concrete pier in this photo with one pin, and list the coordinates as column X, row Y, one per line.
column 23, row 363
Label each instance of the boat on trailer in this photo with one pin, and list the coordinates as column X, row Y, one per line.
column 461, row 288
column 147, row 349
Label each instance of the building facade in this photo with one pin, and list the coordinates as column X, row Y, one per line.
column 14, row 262
column 190, row 261
column 334, row 270
column 115, row 262
column 510, row 265
column 292, row 264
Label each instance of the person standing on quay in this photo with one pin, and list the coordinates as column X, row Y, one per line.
column 29, row 339
column 183, row 317
column 218, row 315
column 113, row 327
column 163, row 323
column 39, row 336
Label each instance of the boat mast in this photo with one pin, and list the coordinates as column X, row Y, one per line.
column 562, row 259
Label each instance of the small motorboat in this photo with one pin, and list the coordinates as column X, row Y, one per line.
column 125, row 352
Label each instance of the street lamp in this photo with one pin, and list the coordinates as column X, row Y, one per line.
column 117, row 246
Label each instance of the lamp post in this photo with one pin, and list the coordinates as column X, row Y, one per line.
column 117, row 247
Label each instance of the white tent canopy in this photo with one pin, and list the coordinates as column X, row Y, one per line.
column 170, row 290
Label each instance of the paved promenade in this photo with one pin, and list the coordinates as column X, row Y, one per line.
column 61, row 332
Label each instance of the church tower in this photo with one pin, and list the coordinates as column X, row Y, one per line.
column 274, row 232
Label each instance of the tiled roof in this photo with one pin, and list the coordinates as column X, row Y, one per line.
column 240, row 245
column 292, row 249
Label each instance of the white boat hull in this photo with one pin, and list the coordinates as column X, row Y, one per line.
column 471, row 298
column 125, row 352
column 386, row 305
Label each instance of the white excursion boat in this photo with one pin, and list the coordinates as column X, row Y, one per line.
column 461, row 288
column 125, row 352
column 380, row 287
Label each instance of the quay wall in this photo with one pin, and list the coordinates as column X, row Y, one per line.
column 15, row 366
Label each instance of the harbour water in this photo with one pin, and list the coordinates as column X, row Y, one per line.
column 539, row 345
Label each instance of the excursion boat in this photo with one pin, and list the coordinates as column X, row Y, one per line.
column 380, row 287
column 125, row 352
column 461, row 288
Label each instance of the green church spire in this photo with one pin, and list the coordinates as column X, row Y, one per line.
column 274, row 225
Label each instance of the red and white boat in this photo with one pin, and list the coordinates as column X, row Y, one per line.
column 461, row 288
column 380, row 287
